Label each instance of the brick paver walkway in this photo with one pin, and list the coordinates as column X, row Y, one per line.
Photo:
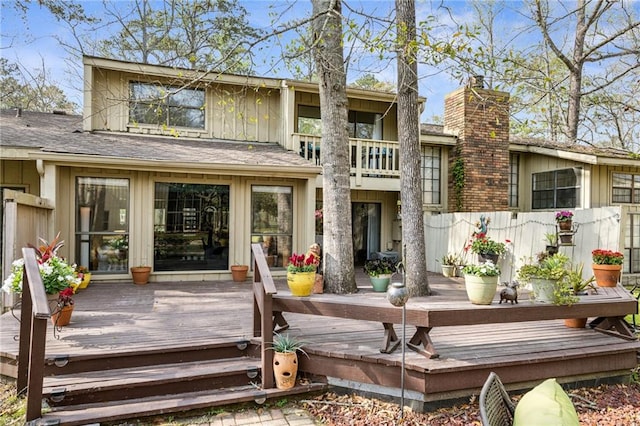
column 274, row 417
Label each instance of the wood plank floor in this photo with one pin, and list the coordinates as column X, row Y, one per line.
column 122, row 317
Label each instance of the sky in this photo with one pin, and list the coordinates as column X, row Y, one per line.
column 34, row 42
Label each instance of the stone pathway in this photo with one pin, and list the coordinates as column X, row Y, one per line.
column 275, row 417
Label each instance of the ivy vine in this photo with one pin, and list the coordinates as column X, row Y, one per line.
column 458, row 181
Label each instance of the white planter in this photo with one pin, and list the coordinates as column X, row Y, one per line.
column 481, row 290
column 543, row 290
column 449, row 270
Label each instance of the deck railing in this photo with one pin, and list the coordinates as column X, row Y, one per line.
column 263, row 289
column 368, row 157
column 33, row 332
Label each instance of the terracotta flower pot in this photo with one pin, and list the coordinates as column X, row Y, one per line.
column 575, row 322
column 285, row 369
column 62, row 317
column 140, row 274
column 606, row 275
column 239, row 272
column 566, row 225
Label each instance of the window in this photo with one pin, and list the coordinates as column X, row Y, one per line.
column 166, row 106
column 365, row 125
column 632, row 244
column 430, row 175
column 272, row 222
column 514, row 170
column 102, row 224
column 309, row 121
column 556, row 189
column 191, row 227
column 362, row 125
column 626, row 188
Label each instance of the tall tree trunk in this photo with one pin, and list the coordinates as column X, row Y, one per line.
column 339, row 276
column 413, row 250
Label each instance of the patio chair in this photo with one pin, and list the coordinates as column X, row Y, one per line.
column 496, row 407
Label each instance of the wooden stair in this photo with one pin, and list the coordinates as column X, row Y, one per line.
column 120, row 410
column 86, row 389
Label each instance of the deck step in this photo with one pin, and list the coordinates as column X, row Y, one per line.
column 149, row 355
column 140, row 382
column 142, row 407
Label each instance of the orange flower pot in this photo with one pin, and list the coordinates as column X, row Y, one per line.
column 606, row 275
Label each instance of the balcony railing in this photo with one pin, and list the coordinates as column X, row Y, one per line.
column 368, row 158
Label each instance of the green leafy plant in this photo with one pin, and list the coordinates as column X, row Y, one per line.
column 457, row 171
column 576, row 283
column 551, row 239
column 451, row 259
column 287, row 344
column 376, row 267
column 480, row 243
column 554, row 267
column 487, row 269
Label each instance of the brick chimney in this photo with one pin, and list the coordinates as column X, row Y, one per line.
column 479, row 117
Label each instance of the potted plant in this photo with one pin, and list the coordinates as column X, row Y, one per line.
column 552, row 242
column 449, row 262
column 481, row 282
column 285, row 359
column 301, row 273
column 84, row 275
column 61, row 315
column 140, row 274
column 607, row 266
column 564, row 219
column 483, row 245
column 239, row 272
column 575, row 285
column 379, row 271
column 545, row 275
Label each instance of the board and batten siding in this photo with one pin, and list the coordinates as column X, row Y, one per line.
column 451, row 232
column 240, row 113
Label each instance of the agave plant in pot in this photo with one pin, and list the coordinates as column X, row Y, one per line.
column 285, row 359
column 449, row 262
column 481, row 282
column 379, row 271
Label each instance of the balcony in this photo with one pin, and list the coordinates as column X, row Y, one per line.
column 368, row 158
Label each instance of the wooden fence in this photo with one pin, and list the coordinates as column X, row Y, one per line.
column 451, row 232
column 26, row 219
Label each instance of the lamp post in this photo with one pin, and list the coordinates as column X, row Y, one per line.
column 397, row 295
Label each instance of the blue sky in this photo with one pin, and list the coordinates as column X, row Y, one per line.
column 34, row 41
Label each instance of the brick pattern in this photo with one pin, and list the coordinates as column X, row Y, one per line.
column 480, row 119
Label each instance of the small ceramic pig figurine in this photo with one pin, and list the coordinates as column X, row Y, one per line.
column 509, row 292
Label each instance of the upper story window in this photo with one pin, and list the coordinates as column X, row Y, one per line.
column 626, row 188
column 365, row 125
column 362, row 125
column 556, row 189
column 431, row 174
column 514, row 171
column 166, row 105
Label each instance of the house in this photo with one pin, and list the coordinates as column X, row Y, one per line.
column 182, row 170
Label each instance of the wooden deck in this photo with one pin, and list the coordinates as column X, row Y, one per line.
column 166, row 317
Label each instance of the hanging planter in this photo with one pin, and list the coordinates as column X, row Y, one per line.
column 62, row 316
column 566, row 238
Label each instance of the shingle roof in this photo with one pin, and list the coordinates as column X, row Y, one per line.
column 57, row 133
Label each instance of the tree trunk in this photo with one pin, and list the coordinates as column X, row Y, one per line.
column 339, row 276
column 413, row 250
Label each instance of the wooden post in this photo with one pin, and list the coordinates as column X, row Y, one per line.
column 33, row 333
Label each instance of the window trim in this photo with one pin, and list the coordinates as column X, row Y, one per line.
column 166, row 103
column 578, row 188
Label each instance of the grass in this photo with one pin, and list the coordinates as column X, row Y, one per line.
column 630, row 318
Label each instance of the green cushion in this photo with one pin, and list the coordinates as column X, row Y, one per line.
column 547, row 404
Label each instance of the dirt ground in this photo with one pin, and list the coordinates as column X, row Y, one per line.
column 606, row 405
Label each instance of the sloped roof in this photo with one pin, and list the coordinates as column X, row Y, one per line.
column 62, row 134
